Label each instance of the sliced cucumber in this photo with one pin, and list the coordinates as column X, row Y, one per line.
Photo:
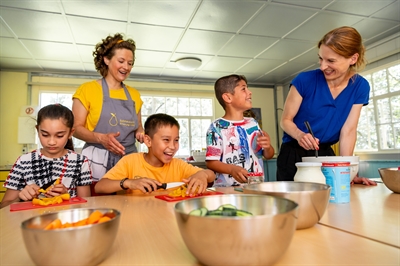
column 226, row 206
column 226, row 210
column 199, row 212
column 243, row 213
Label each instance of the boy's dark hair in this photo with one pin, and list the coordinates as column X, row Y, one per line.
column 226, row 84
column 55, row 112
column 155, row 121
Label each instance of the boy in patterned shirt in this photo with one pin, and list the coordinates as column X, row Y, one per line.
column 235, row 144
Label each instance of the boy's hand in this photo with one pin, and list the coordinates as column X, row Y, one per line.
column 197, row 181
column 239, row 173
column 29, row 192
column 263, row 140
column 146, row 185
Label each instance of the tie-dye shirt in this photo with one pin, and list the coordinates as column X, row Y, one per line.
column 234, row 142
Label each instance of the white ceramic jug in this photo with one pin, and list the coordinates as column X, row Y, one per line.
column 309, row 172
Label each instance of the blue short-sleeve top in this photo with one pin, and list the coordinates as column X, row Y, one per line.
column 325, row 114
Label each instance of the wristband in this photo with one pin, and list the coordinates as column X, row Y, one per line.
column 122, row 183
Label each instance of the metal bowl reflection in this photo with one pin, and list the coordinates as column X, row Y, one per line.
column 83, row 245
column 311, row 197
column 391, row 178
column 260, row 239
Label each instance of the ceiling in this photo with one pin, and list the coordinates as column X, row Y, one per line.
column 267, row 41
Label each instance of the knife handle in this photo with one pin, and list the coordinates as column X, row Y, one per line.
column 163, row 185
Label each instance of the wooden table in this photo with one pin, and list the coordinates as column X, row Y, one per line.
column 373, row 212
column 148, row 235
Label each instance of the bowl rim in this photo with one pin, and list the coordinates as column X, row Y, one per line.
column 24, row 223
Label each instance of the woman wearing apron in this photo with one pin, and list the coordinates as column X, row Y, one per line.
column 107, row 112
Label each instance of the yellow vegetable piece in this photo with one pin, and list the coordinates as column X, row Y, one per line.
column 51, row 201
column 94, row 217
column 66, row 196
column 56, row 224
column 104, row 219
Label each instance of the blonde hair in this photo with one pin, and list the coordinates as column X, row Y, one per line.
column 346, row 41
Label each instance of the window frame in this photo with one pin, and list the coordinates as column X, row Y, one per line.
column 375, row 99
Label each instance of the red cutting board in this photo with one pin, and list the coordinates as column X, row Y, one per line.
column 29, row 206
column 172, row 199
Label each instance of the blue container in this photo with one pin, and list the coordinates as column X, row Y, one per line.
column 337, row 175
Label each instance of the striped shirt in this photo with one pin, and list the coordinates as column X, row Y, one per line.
column 35, row 168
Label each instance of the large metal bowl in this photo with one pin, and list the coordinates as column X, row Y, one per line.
column 260, row 239
column 311, row 197
column 391, row 178
column 84, row 245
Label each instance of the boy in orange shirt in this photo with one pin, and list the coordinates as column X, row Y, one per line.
column 144, row 171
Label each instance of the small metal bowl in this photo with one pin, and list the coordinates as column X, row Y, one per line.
column 260, row 239
column 83, row 245
column 391, row 178
column 311, row 197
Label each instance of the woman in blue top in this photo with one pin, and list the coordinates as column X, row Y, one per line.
column 330, row 99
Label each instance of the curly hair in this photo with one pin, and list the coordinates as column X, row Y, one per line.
column 106, row 49
column 346, row 41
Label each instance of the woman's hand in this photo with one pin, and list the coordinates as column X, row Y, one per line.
column 363, row 180
column 307, row 141
column 29, row 192
column 139, row 136
column 110, row 142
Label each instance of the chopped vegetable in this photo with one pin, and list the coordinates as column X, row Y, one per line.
column 226, row 210
column 51, row 201
column 180, row 192
column 95, row 217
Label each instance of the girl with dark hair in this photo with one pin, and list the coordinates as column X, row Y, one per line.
column 53, row 161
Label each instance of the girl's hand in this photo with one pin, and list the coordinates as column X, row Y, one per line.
column 29, row 192
column 56, row 190
column 110, row 142
column 146, row 185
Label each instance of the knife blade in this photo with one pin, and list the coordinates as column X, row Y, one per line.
column 47, row 185
column 168, row 185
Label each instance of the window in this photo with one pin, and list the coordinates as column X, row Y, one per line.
column 46, row 98
column 193, row 114
column 379, row 123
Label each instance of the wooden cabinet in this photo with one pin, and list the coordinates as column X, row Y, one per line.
column 3, row 177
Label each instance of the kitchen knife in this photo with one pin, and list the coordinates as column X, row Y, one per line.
column 47, row 185
column 168, row 185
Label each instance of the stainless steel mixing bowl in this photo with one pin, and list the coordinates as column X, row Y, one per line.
column 260, row 239
column 391, row 178
column 311, row 197
column 84, row 245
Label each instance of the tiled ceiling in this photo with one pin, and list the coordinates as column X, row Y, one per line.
column 268, row 41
